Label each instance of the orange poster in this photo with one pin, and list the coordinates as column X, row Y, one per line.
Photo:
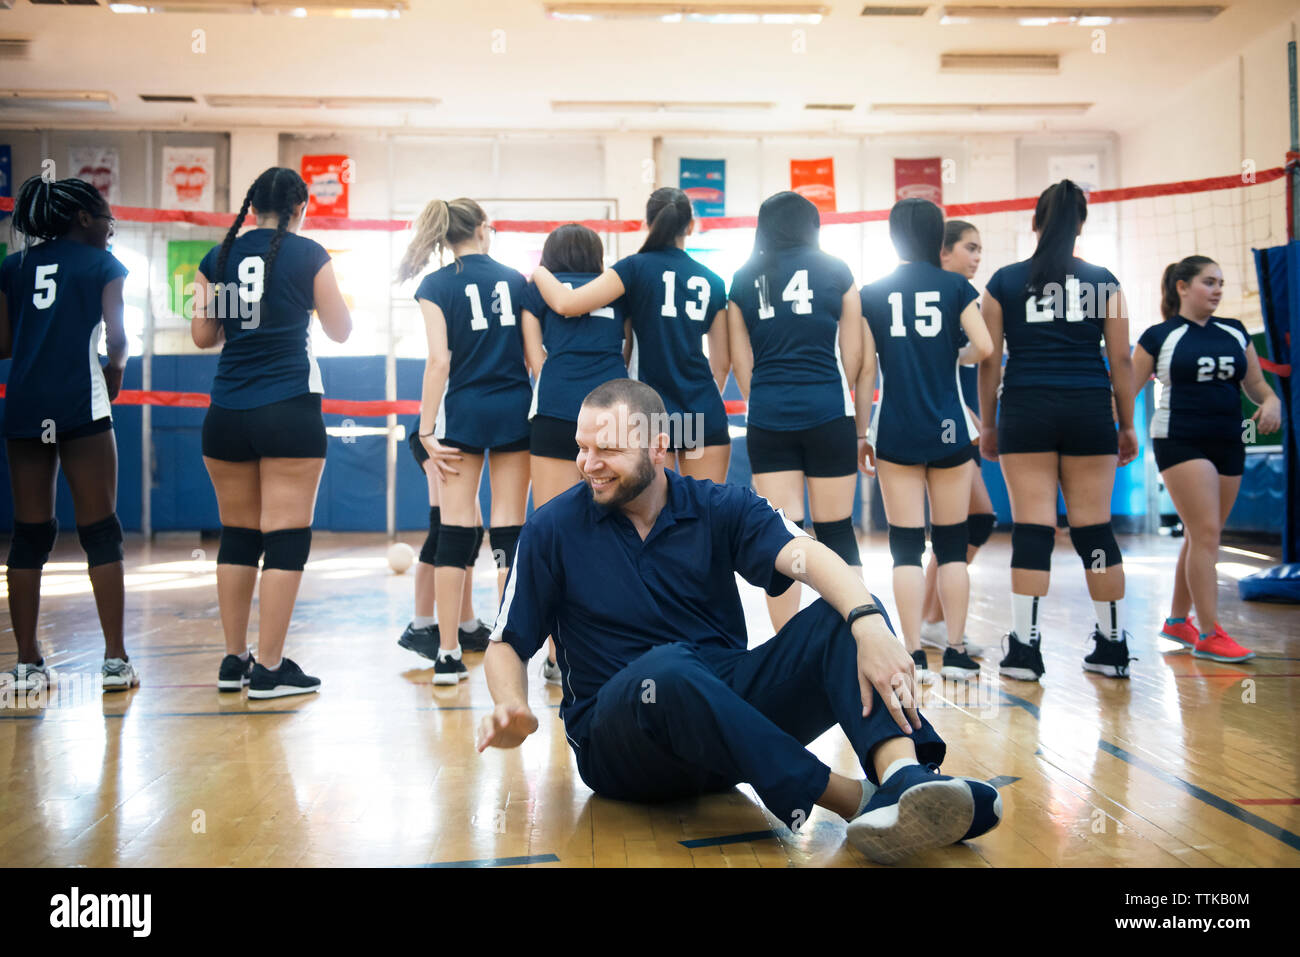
column 814, row 180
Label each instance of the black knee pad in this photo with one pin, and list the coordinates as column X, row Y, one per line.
column 101, row 541
column 287, row 549
column 429, row 550
column 455, row 546
column 239, row 546
column 949, row 542
column 1096, row 546
column 838, row 537
column 505, row 539
column 478, row 544
column 1031, row 546
column 981, row 527
column 906, row 544
column 30, row 544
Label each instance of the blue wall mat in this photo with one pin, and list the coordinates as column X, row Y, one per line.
column 1260, row 505
column 182, row 492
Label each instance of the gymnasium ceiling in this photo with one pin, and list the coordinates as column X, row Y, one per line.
column 505, row 65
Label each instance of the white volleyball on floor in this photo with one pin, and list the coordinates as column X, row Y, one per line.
column 401, row 556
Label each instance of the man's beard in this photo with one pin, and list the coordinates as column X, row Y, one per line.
column 629, row 488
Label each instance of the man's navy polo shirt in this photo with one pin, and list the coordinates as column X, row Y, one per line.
column 583, row 575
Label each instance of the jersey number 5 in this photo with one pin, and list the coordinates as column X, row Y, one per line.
column 1205, row 366
column 694, row 310
column 926, row 305
column 501, row 305
column 43, row 296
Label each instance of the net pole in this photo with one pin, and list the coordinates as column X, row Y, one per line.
column 390, row 373
column 1293, row 160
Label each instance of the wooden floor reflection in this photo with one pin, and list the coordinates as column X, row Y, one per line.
column 1188, row 763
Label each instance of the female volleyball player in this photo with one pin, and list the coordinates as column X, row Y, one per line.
column 422, row 635
column 1056, row 428
column 960, row 254
column 1202, row 362
column 920, row 435
column 54, row 295
column 264, row 436
column 795, row 324
column 578, row 353
column 673, row 302
column 474, row 400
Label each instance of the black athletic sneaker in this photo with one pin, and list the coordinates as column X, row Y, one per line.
column 234, row 673
column 476, row 640
column 1109, row 658
column 923, row 673
column 286, row 680
column 1023, row 661
column 449, row 670
column 423, row 641
column 958, row 665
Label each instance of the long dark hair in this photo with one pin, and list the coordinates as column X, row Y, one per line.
column 916, row 229
column 1185, row 270
column 45, row 209
column 786, row 221
column 573, row 248
column 277, row 191
column 1062, row 208
column 668, row 214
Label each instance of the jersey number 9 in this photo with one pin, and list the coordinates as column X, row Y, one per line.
column 926, row 306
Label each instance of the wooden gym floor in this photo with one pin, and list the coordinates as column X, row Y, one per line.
column 1189, row 763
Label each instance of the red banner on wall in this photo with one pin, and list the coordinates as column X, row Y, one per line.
column 327, row 179
column 814, row 180
column 919, row 179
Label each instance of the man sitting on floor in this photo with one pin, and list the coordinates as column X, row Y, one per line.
column 633, row 572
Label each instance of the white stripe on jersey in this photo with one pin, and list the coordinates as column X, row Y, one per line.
column 873, row 430
column 440, row 423
column 1235, row 333
column 844, row 380
column 632, row 362
column 314, row 382
column 961, row 398
column 99, row 404
column 1160, row 420
column 537, row 389
column 503, row 615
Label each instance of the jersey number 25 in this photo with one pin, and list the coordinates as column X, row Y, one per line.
column 1205, row 368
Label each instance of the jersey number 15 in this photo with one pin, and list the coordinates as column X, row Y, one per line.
column 927, row 305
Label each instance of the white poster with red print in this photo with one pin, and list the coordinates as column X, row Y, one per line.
column 98, row 166
column 187, row 178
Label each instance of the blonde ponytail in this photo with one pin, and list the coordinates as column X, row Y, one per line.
column 430, row 238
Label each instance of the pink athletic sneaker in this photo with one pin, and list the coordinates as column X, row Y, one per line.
column 1220, row 647
column 1185, row 634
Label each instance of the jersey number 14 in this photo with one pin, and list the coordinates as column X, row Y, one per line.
column 796, row 293
column 501, row 305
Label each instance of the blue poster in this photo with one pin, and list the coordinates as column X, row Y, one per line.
column 705, row 182
column 6, row 177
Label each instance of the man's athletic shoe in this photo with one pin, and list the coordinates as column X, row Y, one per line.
column 285, row 680
column 423, row 641
column 551, row 672
column 119, row 675
column 27, row 678
column 235, row 672
column 935, row 634
column 1184, row 633
column 1221, row 647
column 1109, row 658
column 476, row 640
column 1023, row 660
column 449, row 670
column 988, row 808
column 915, row 810
column 958, row 666
column 923, row 673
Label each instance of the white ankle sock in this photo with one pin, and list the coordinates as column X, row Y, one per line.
column 275, row 668
column 453, row 653
column 470, row 624
column 868, row 789
column 244, row 656
column 1024, row 617
column 1110, row 618
column 900, row 763
column 423, row 621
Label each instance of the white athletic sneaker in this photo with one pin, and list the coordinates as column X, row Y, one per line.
column 551, row 672
column 935, row 634
column 119, row 675
column 28, row 678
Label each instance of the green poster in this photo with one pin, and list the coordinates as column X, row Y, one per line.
column 183, row 258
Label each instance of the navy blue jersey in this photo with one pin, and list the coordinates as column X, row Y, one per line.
column 1199, row 369
column 581, row 352
column 267, row 354
column 792, row 312
column 1055, row 340
column 488, row 392
column 672, row 301
column 583, row 574
column 915, row 317
column 54, row 293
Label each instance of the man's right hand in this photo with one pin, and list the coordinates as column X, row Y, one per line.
column 505, row 727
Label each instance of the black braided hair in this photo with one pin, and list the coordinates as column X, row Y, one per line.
column 277, row 191
column 46, row 209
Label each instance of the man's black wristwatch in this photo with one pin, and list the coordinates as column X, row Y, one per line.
column 862, row 611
